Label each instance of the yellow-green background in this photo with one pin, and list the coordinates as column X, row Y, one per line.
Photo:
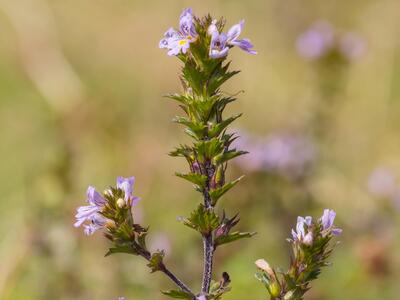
column 81, row 85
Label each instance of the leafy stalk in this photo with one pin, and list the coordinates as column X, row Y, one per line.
column 203, row 104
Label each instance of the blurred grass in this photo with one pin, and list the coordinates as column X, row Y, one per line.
column 81, row 85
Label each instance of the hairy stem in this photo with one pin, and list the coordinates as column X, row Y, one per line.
column 208, row 262
column 208, row 243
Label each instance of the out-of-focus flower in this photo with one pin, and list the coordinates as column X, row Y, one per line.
column 396, row 199
column 382, row 183
column 202, row 297
column 179, row 41
column 221, row 42
column 315, row 41
column 121, row 298
column 287, row 155
column 160, row 241
column 321, row 39
column 352, row 46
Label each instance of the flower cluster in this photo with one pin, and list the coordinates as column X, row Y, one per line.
column 304, row 228
column 179, row 41
column 287, row 155
column 96, row 215
column 311, row 249
column 321, row 40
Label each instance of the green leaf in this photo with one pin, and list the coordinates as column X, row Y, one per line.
column 209, row 149
column 122, row 249
column 195, row 129
column 142, row 240
column 216, row 129
column 194, row 77
column 219, row 76
column 231, row 237
column 178, row 294
column 156, row 261
column 228, row 155
column 182, row 151
column 203, row 220
column 180, row 98
column 197, row 179
column 219, row 192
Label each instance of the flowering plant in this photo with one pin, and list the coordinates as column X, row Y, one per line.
column 203, row 48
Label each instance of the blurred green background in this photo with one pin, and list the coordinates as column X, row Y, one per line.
column 81, row 85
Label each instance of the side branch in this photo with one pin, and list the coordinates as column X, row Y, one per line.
column 166, row 271
column 176, row 280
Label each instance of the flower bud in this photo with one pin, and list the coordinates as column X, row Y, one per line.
column 120, row 203
column 263, row 265
column 274, row 289
column 308, row 239
column 196, row 167
column 212, row 28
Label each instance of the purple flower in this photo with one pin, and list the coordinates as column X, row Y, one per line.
column 90, row 212
column 202, row 297
column 168, row 35
column 186, row 24
column 121, row 298
column 316, row 41
column 126, row 184
column 288, row 155
column 221, row 42
column 218, row 46
column 301, row 234
column 327, row 220
column 179, row 41
column 97, row 222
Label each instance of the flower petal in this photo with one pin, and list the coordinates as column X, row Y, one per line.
column 235, row 31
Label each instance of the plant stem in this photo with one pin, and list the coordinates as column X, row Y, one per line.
column 208, row 243
column 171, row 275
column 176, row 280
column 208, row 262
